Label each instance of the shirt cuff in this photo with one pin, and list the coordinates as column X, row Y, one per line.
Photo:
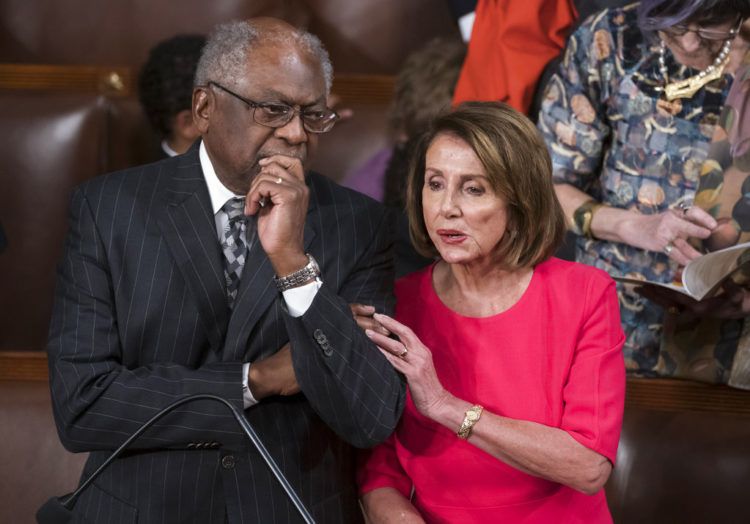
column 298, row 299
column 248, row 400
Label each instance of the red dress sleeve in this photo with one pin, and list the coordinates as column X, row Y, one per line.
column 379, row 467
column 594, row 394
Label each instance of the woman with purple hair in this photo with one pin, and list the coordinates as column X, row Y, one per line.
column 628, row 119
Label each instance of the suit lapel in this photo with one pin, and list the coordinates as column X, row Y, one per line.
column 189, row 230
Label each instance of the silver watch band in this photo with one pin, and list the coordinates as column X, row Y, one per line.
column 299, row 277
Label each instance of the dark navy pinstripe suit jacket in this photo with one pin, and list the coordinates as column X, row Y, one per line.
column 141, row 319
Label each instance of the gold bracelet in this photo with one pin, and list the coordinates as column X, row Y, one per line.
column 471, row 417
column 584, row 215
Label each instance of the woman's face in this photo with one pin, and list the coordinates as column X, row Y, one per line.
column 465, row 218
column 698, row 45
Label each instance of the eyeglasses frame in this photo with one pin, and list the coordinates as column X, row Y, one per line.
column 252, row 104
column 682, row 29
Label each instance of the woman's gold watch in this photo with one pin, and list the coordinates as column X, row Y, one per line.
column 471, row 417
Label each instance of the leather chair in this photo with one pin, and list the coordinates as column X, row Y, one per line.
column 130, row 139
column 688, row 466
column 367, row 36
column 51, row 142
column 672, row 466
column 34, row 464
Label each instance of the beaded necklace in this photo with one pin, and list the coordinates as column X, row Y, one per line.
column 688, row 87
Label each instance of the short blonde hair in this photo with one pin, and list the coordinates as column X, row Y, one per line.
column 519, row 170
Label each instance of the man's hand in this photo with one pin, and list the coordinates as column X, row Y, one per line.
column 279, row 196
column 274, row 375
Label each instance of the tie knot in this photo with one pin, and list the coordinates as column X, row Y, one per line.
column 234, row 208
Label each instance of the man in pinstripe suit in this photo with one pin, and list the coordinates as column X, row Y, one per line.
column 145, row 312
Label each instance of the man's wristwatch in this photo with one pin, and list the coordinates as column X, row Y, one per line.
column 299, row 277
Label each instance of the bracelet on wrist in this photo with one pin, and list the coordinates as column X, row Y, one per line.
column 471, row 417
column 583, row 216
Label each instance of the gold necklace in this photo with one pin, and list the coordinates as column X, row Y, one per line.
column 688, row 87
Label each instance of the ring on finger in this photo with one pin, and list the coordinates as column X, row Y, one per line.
column 278, row 180
column 684, row 207
column 402, row 355
column 668, row 248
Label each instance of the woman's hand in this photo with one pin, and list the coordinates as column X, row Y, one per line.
column 363, row 316
column 412, row 358
column 666, row 232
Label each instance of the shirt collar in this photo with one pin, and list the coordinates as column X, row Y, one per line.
column 218, row 192
column 168, row 150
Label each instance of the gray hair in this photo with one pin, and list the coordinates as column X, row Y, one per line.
column 226, row 51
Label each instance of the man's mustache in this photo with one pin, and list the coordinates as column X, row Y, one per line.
column 299, row 155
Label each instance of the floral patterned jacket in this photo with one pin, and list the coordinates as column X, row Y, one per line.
column 611, row 135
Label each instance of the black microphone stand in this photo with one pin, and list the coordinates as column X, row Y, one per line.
column 57, row 510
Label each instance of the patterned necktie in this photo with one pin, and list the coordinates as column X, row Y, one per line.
column 234, row 246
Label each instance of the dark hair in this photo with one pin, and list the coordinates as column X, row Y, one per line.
column 655, row 15
column 519, row 169
column 424, row 89
column 165, row 84
column 425, row 84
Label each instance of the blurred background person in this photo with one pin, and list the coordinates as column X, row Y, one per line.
column 165, row 90
column 628, row 119
column 513, row 358
column 511, row 43
column 723, row 191
column 424, row 87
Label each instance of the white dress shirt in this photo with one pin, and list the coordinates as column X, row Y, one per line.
column 297, row 299
column 168, row 150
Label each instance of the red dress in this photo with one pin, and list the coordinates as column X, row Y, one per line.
column 553, row 358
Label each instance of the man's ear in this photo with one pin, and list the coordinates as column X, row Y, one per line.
column 203, row 106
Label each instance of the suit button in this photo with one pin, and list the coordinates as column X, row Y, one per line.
column 319, row 336
column 327, row 349
column 227, row 461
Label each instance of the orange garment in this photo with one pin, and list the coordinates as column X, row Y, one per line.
column 511, row 42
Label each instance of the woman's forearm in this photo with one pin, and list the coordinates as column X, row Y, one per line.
column 536, row 449
column 652, row 232
column 388, row 505
column 607, row 223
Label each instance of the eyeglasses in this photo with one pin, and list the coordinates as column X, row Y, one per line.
column 275, row 114
column 703, row 34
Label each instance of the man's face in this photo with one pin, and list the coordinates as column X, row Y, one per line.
column 234, row 141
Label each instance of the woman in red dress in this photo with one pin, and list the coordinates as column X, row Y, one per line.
column 512, row 357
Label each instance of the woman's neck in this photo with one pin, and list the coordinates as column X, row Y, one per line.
column 479, row 290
